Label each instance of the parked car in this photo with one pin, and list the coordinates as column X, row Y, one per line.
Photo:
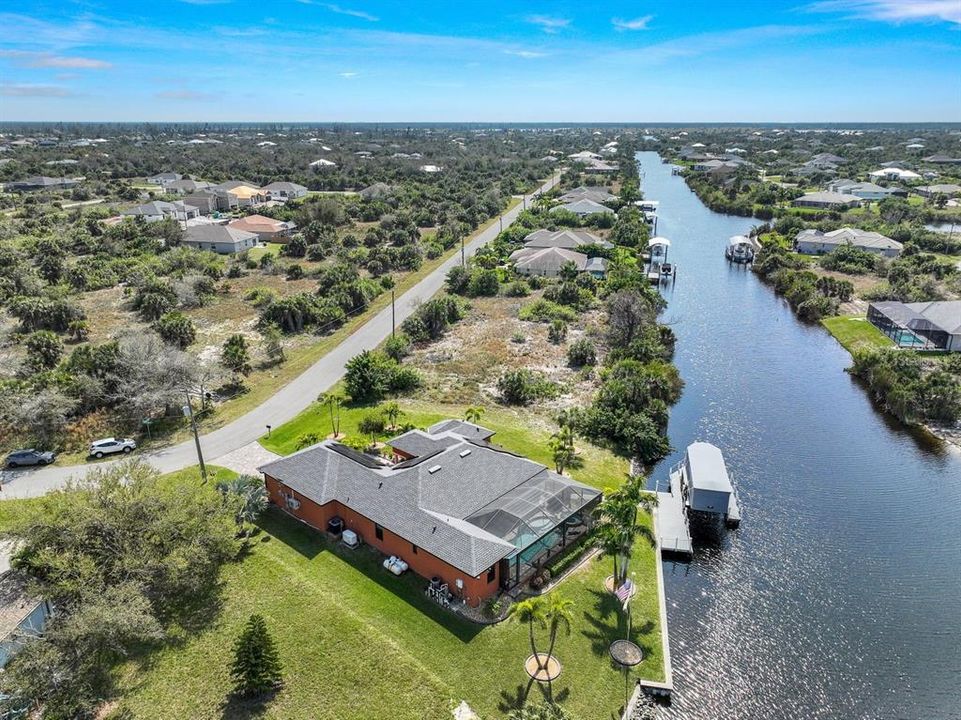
column 19, row 458
column 108, row 446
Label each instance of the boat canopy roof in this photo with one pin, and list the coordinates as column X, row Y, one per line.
column 706, row 469
column 658, row 241
column 740, row 240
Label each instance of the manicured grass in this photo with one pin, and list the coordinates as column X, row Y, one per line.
column 268, row 249
column 515, row 431
column 357, row 642
column 855, row 332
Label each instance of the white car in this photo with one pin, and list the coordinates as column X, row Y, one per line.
column 107, row 446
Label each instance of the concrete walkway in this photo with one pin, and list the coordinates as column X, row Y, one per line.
column 287, row 402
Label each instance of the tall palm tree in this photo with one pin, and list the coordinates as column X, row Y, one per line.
column 473, row 414
column 558, row 615
column 530, row 611
column 392, row 412
column 332, row 401
column 618, row 528
column 562, row 445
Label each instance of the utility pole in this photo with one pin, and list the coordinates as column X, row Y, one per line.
column 393, row 315
column 463, row 258
column 189, row 412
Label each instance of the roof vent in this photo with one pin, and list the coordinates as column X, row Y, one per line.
column 465, row 453
column 432, row 470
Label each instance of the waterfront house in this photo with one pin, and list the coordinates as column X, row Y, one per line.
column 595, row 194
column 947, row 189
column 863, row 190
column 568, row 238
column 923, row 326
column 827, row 200
column 584, row 207
column 816, row 242
column 266, row 229
column 322, row 164
column 942, row 159
column 547, row 262
column 221, row 239
column 456, row 508
column 895, row 173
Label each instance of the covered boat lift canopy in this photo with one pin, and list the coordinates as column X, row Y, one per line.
column 709, row 487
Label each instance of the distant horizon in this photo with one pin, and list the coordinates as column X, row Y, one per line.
column 793, row 61
column 844, row 124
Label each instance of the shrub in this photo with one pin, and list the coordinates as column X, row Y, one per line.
column 44, row 350
column 545, row 311
column 557, row 332
column 581, row 352
column 234, row 355
column 397, row 346
column 295, row 272
column 372, row 423
column 483, row 283
column 176, row 328
column 518, row 288
column 522, row 387
column 372, row 374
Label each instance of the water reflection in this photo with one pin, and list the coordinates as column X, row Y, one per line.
column 840, row 594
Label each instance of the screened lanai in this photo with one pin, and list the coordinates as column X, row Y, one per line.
column 539, row 517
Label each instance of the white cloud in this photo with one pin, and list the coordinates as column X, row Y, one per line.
column 894, row 10
column 635, row 24
column 8, row 90
column 348, row 75
column 46, row 60
column 547, row 23
column 527, row 54
column 342, row 10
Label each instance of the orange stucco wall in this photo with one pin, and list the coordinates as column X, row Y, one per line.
column 475, row 590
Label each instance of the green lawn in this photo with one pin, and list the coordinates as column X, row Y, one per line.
column 855, row 332
column 514, row 428
column 269, row 249
column 357, row 642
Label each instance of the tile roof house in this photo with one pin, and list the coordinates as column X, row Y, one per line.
column 453, row 505
column 568, row 239
column 221, row 239
column 185, row 187
column 265, row 228
column 547, row 262
column 815, row 242
column 583, row 207
column 160, row 210
column 284, row 190
column 827, row 200
column 164, row 178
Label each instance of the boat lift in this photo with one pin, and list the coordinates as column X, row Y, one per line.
column 659, row 269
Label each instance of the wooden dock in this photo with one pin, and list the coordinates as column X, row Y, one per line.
column 670, row 519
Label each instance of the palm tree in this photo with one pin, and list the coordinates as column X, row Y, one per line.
column 473, row 414
column 618, row 528
column 558, row 615
column 529, row 611
column 250, row 497
column 333, row 401
column 392, row 412
column 565, row 454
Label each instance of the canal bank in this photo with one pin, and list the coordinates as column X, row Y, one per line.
column 839, row 596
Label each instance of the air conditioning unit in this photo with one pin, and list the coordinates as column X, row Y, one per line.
column 293, row 503
column 350, row 538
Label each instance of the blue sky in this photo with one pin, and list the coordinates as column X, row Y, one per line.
column 364, row 60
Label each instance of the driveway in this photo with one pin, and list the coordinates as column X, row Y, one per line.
column 287, row 402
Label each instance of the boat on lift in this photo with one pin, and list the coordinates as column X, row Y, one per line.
column 657, row 248
column 741, row 249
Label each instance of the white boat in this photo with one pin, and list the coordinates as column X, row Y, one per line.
column 657, row 248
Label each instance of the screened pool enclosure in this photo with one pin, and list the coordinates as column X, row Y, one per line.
column 539, row 517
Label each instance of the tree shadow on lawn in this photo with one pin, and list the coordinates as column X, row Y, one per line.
column 609, row 623
column 520, row 695
column 235, row 707
column 408, row 587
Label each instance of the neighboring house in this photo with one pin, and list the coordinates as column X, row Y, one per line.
column 431, row 168
column 377, row 191
column 546, row 262
column 164, row 178
column 40, row 182
column 221, row 239
column 599, row 167
column 863, row 190
column 459, row 510
column 924, row 325
column 948, row 189
column 266, row 229
column 941, row 159
column 237, row 194
column 584, row 207
column 284, row 191
column 596, row 266
column 160, row 210
column 596, row 194
column 584, row 156
column 895, row 173
column 827, row 200
column 23, row 614
column 186, row 187
column 567, row 239
column 815, row 242
column 206, row 201
column 322, row 164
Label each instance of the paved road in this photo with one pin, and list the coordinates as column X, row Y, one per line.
column 282, row 406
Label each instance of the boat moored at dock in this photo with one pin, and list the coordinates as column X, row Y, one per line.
column 741, row 249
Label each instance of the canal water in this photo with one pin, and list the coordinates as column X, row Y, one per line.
column 840, row 594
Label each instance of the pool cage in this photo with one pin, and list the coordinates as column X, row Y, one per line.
column 907, row 328
column 540, row 518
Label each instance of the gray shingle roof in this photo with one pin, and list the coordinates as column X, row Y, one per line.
column 428, row 503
